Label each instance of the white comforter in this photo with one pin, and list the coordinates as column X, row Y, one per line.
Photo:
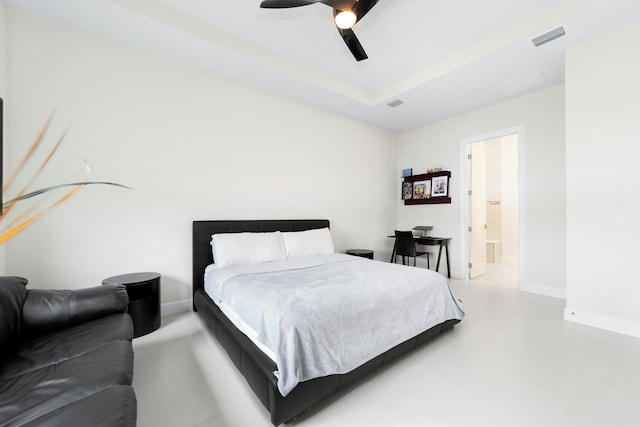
column 329, row 314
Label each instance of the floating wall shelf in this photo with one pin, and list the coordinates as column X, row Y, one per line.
column 432, row 200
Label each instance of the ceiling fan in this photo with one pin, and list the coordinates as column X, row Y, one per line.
column 346, row 13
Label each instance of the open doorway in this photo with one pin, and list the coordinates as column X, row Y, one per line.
column 492, row 210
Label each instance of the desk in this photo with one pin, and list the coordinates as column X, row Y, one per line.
column 430, row 241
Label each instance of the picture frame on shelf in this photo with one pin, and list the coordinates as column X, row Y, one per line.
column 407, row 172
column 440, row 186
column 422, row 189
column 407, row 190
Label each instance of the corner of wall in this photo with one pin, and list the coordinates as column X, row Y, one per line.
column 176, row 307
column 602, row 322
column 546, row 290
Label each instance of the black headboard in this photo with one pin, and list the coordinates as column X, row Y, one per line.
column 202, row 231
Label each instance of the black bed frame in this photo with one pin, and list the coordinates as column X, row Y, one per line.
column 255, row 366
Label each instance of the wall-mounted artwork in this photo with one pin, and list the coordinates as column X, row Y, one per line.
column 407, row 190
column 440, row 186
column 421, row 189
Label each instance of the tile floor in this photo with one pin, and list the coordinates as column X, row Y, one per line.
column 512, row 362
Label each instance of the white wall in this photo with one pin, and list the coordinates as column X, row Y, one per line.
column 438, row 145
column 192, row 145
column 603, row 185
column 510, row 245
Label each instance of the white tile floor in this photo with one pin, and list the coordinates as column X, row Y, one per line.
column 512, row 362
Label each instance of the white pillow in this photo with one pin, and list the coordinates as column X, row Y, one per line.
column 309, row 242
column 247, row 248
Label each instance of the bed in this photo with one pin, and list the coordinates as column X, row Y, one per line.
column 252, row 359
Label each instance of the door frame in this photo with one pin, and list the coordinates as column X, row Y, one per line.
column 464, row 199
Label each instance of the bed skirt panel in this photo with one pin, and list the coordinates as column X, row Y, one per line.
column 238, row 346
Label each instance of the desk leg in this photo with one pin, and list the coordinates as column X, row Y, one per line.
column 446, row 251
column 439, row 255
column 393, row 252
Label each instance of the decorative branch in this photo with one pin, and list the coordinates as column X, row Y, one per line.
column 55, row 187
column 19, row 223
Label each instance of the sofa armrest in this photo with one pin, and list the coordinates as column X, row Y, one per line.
column 47, row 310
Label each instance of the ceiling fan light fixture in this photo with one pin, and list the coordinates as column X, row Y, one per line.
column 345, row 19
column 346, row 13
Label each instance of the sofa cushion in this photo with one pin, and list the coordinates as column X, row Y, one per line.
column 26, row 397
column 68, row 343
column 48, row 310
column 12, row 295
column 111, row 407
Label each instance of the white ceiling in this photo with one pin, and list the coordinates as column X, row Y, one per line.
column 442, row 58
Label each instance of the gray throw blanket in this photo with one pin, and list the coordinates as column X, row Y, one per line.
column 329, row 314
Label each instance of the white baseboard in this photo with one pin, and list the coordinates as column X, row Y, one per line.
column 602, row 322
column 175, row 307
column 550, row 291
column 455, row 274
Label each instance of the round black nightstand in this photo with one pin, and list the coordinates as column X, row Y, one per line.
column 144, row 299
column 364, row 253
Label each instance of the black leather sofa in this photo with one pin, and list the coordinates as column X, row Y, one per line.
column 66, row 357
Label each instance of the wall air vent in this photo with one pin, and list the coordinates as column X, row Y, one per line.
column 395, row 102
column 556, row 33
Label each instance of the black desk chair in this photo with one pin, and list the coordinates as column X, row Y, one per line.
column 406, row 247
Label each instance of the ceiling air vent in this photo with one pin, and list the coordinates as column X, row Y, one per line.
column 556, row 33
column 523, row 83
column 395, row 102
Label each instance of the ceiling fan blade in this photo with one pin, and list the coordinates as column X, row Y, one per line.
column 353, row 44
column 363, row 7
column 282, row 4
column 340, row 4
